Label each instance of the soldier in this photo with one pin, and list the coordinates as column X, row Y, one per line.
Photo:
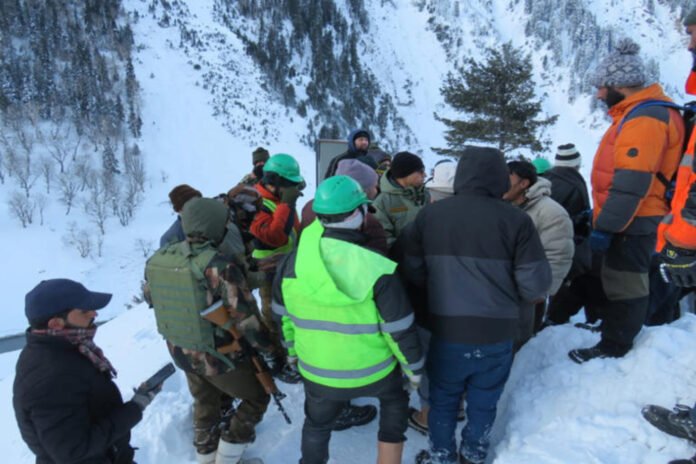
column 182, row 280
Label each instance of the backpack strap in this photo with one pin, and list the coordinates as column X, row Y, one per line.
column 689, row 107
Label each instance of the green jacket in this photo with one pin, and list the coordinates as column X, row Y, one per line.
column 344, row 313
column 397, row 206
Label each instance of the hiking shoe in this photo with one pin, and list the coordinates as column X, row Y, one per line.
column 289, row 374
column 600, row 350
column 352, row 416
column 414, row 424
column 677, row 423
column 692, row 460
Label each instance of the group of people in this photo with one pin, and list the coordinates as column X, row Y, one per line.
column 384, row 283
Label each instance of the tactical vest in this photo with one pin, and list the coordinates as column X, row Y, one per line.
column 287, row 248
column 178, row 287
column 336, row 323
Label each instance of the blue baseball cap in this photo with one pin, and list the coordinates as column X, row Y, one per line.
column 54, row 296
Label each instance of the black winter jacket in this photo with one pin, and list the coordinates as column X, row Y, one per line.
column 69, row 412
column 479, row 257
column 569, row 189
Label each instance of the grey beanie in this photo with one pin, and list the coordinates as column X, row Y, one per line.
column 621, row 68
column 358, row 171
column 690, row 19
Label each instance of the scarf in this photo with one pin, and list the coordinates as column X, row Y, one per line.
column 84, row 340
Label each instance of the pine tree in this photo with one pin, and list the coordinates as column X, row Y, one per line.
column 497, row 97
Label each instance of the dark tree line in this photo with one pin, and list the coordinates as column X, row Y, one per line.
column 67, row 59
column 326, row 44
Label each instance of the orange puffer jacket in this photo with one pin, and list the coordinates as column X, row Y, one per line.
column 627, row 195
column 679, row 227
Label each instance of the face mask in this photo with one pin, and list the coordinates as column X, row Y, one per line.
column 613, row 97
column 258, row 171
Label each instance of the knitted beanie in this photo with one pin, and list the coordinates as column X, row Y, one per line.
column 260, row 155
column 181, row 194
column 405, row 164
column 621, row 68
column 690, row 19
column 359, row 171
column 568, row 156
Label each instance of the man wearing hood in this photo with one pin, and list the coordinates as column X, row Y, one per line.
column 184, row 278
column 482, row 263
column 358, row 145
column 637, row 155
column 533, row 194
column 347, row 323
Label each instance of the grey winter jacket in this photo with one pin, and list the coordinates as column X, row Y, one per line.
column 555, row 230
column 397, row 206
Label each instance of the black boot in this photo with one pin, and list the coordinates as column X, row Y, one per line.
column 692, row 460
column 352, row 416
column 677, row 422
column 603, row 349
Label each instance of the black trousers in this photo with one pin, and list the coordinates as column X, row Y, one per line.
column 626, row 285
column 324, row 404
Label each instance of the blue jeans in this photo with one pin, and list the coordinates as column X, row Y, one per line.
column 481, row 372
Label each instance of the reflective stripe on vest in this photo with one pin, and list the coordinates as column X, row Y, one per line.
column 284, row 249
column 330, row 305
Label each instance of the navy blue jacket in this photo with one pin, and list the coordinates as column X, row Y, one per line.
column 67, row 410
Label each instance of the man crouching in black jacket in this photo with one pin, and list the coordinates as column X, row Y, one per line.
column 67, row 406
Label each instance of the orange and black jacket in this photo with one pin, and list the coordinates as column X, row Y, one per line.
column 679, row 227
column 273, row 226
column 628, row 197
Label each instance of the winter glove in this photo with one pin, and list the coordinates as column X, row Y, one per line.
column 678, row 266
column 143, row 398
column 414, row 381
column 290, row 195
column 600, row 241
column 292, row 361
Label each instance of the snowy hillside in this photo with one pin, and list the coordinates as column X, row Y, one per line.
column 553, row 411
column 206, row 104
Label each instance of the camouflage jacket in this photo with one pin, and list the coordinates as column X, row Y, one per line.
column 226, row 281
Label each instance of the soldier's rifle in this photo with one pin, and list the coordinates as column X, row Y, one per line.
column 218, row 315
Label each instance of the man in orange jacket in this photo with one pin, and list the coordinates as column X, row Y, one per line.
column 275, row 228
column 677, row 233
column 641, row 147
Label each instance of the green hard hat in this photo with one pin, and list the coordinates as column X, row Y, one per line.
column 541, row 164
column 285, row 166
column 337, row 195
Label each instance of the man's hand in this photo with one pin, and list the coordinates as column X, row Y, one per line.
column 414, row 381
column 290, row 195
column 143, row 398
column 678, row 266
column 600, row 241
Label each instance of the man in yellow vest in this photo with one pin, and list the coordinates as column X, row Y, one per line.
column 347, row 322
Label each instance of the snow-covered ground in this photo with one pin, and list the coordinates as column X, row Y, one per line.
column 553, row 411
